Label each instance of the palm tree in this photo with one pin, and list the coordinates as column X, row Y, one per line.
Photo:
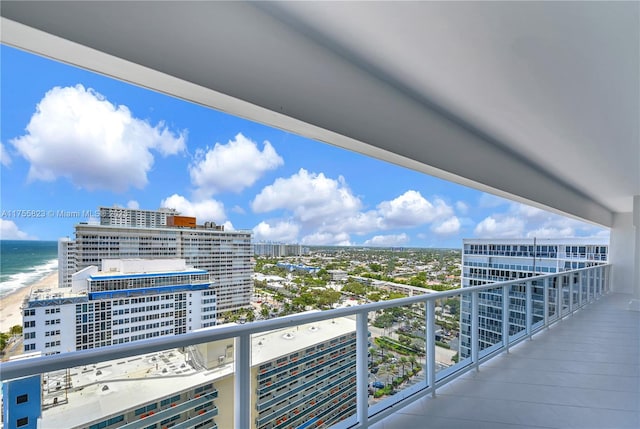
column 264, row 311
column 372, row 350
column 413, row 361
column 403, row 361
column 382, row 346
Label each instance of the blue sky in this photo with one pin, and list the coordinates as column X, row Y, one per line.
column 74, row 140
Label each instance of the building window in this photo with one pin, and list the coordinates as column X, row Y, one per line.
column 22, row 422
column 21, row 399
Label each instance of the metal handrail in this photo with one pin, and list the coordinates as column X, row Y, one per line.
column 26, row 367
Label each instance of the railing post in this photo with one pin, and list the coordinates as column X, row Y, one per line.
column 242, row 386
column 588, row 286
column 599, row 283
column 505, row 318
column 362, row 370
column 475, row 346
column 545, row 300
column 528, row 313
column 431, row 345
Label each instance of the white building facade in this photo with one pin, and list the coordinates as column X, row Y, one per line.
column 66, row 261
column 120, row 216
column 277, row 250
column 495, row 260
column 128, row 300
column 226, row 255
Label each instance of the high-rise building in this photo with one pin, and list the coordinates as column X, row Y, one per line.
column 496, row 260
column 127, row 300
column 66, row 261
column 302, row 377
column 226, row 255
column 120, row 216
column 277, row 250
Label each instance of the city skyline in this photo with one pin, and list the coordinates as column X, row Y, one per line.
column 73, row 140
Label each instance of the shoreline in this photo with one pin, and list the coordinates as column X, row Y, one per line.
column 10, row 312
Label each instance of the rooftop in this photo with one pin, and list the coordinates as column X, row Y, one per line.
column 164, row 374
column 282, row 342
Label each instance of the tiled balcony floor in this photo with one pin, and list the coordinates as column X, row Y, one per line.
column 583, row 372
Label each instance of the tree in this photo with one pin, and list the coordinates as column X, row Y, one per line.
column 4, row 337
column 403, row 362
column 265, row 311
column 375, row 267
column 413, row 361
column 15, row 330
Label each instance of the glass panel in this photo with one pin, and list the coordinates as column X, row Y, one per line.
column 464, row 338
column 564, row 279
column 574, row 279
column 306, row 374
column 553, row 298
column 447, row 335
column 537, row 302
column 397, row 353
column 517, row 309
column 490, row 320
column 175, row 387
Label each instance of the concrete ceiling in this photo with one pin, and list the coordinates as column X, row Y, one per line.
column 536, row 101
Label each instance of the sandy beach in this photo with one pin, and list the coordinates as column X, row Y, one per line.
column 10, row 313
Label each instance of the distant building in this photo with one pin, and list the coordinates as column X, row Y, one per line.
column 66, row 261
column 337, row 275
column 128, row 300
column 298, row 267
column 278, row 250
column 120, row 216
column 127, row 233
column 495, row 260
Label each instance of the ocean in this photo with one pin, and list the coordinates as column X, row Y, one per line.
column 24, row 262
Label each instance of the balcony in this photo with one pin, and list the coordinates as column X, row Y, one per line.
column 570, row 359
column 582, row 372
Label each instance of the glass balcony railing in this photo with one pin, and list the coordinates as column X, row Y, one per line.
column 336, row 368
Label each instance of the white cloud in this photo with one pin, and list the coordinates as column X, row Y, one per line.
column 388, row 240
column 286, row 232
column 500, row 227
column 228, row 226
column 462, row 207
column 520, row 220
column 208, row 210
column 78, row 134
column 238, row 209
column 5, row 159
column 530, row 212
column 133, row 204
column 328, row 212
column 412, row 209
column 447, row 227
column 327, row 238
column 10, row 231
column 546, row 232
column 312, row 198
column 233, row 166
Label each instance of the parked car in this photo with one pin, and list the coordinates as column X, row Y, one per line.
column 378, row 384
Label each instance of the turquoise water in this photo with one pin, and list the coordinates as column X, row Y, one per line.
column 23, row 263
